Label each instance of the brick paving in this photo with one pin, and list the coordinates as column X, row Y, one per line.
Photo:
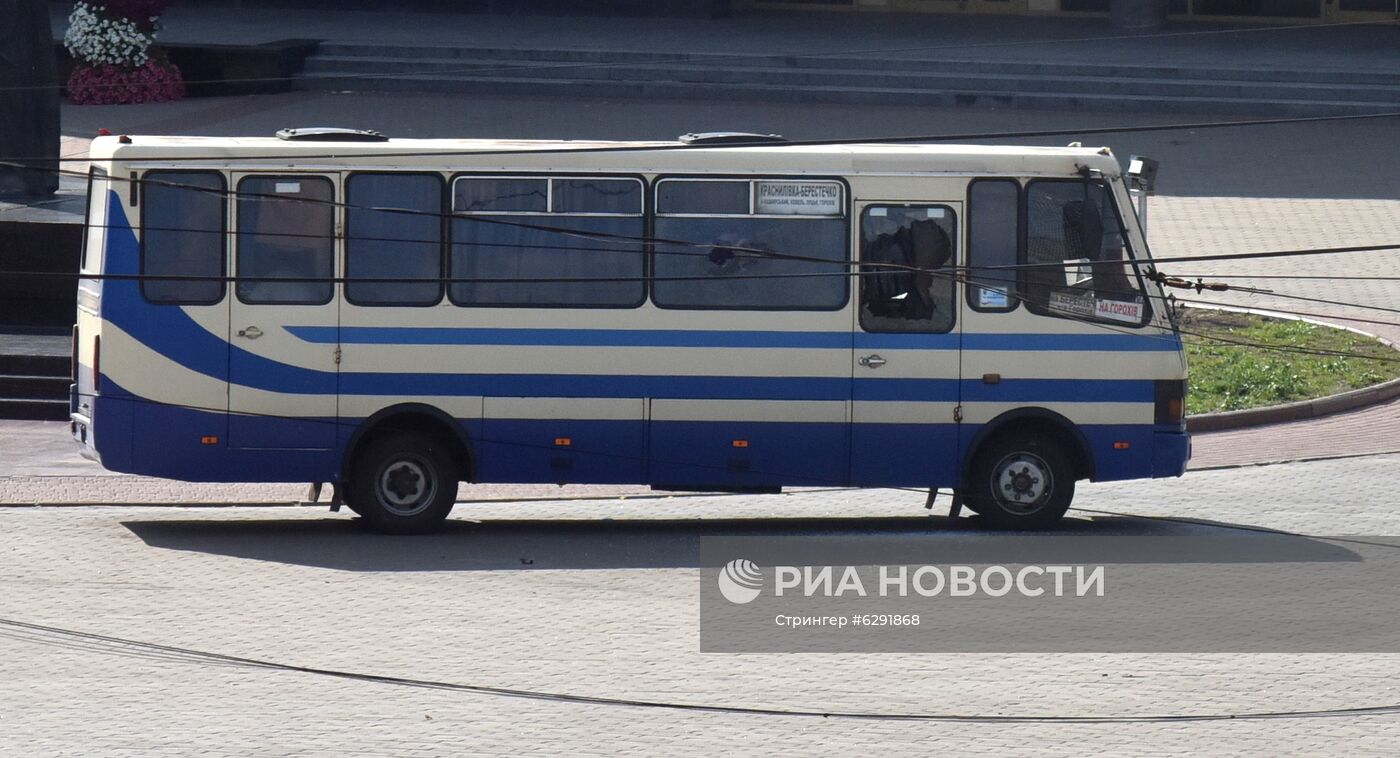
column 121, row 489
column 598, row 598
column 1365, row 431
column 40, row 465
column 1186, row 226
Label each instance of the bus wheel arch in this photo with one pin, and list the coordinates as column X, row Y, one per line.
column 1020, row 469
column 419, row 419
column 402, row 468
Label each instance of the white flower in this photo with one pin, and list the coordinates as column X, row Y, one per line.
column 95, row 38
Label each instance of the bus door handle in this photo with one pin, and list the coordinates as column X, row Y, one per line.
column 251, row 332
column 872, row 361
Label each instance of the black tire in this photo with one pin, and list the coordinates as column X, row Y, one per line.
column 402, row 484
column 1020, row 482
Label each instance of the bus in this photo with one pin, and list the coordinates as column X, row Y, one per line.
column 397, row 316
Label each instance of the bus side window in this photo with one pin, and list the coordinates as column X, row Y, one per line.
column 392, row 243
column 897, row 300
column 182, row 234
column 519, row 241
column 725, row 244
column 285, row 228
column 993, row 226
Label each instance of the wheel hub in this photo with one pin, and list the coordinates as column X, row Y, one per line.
column 1022, row 481
column 405, row 482
column 405, row 486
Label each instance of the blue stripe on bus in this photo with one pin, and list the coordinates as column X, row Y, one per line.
column 1007, row 391
column 595, row 385
column 394, row 335
column 1110, row 342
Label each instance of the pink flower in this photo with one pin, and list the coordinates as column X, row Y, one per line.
column 108, row 84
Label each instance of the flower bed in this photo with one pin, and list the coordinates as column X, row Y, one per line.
column 109, row 85
column 117, row 63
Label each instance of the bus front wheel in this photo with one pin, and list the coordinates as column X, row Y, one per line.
column 1020, row 481
column 402, row 484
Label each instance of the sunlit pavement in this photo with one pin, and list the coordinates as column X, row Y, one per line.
column 598, row 598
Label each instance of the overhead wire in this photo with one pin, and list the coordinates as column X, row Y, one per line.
column 46, row 634
column 960, row 277
column 1304, row 298
column 963, row 275
column 1318, row 277
column 564, row 148
column 1288, row 311
column 705, row 248
column 701, row 251
column 651, row 239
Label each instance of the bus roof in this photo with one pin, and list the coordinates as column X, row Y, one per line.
column 484, row 154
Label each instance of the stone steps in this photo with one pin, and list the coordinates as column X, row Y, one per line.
column 34, row 387
column 621, row 74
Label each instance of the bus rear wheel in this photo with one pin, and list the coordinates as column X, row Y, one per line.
column 402, row 484
column 1020, row 482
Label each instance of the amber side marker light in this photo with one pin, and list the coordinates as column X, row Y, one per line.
column 563, row 441
column 1120, row 445
column 740, row 443
column 208, row 440
column 1169, row 401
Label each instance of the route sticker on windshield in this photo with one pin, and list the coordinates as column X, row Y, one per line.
column 1071, row 303
column 1118, row 310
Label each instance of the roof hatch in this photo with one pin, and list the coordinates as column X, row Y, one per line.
column 330, row 134
column 729, row 138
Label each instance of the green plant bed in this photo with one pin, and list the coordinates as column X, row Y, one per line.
column 1228, row 377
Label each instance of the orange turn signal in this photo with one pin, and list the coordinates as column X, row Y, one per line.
column 563, row 441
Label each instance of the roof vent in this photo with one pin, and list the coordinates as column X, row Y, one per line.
column 330, row 134
column 729, row 138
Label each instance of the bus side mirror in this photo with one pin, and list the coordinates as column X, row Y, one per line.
column 1142, row 173
column 1142, row 180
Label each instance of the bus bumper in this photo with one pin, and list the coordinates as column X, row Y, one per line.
column 1170, row 452
column 79, row 423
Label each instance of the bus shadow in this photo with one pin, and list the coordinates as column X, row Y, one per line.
column 553, row 544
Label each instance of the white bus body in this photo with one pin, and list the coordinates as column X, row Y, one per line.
column 393, row 317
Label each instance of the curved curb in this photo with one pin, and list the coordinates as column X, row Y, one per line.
column 1302, row 409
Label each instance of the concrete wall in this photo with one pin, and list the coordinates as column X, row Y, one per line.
column 49, row 250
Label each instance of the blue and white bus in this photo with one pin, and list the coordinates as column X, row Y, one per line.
column 398, row 316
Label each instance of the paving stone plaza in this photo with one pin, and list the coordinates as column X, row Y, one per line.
column 598, row 598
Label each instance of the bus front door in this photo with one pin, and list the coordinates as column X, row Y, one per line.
column 283, row 319
column 906, row 389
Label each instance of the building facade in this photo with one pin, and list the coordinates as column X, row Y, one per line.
column 1295, row 11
